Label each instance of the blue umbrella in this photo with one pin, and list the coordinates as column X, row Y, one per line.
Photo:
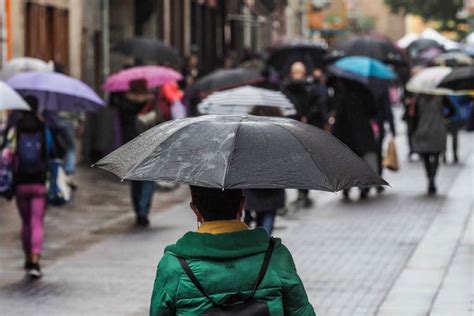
column 372, row 73
column 364, row 67
column 57, row 92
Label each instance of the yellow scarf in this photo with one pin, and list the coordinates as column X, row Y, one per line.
column 221, row 227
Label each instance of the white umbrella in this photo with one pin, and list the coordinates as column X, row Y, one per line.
column 428, row 80
column 448, row 44
column 407, row 40
column 243, row 99
column 23, row 64
column 10, row 100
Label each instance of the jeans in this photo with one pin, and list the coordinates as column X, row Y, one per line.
column 266, row 219
column 142, row 195
column 31, row 202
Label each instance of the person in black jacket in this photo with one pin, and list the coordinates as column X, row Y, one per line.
column 309, row 106
column 130, row 105
column 356, row 115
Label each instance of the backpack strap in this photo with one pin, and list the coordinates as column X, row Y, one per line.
column 261, row 274
column 195, row 281
column 264, row 267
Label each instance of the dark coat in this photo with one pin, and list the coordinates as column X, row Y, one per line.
column 128, row 112
column 355, row 109
column 308, row 101
column 430, row 131
column 264, row 199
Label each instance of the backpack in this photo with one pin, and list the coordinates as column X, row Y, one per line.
column 238, row 303
column 30, row 152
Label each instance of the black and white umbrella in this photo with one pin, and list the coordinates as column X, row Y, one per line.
column 242, row 100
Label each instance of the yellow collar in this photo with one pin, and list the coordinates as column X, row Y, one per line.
column 220, row 227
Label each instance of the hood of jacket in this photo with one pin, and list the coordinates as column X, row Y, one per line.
column 233, row 245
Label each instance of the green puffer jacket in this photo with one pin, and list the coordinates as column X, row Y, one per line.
column 225, row 264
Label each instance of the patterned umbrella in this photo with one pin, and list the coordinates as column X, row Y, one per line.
column 242, row 101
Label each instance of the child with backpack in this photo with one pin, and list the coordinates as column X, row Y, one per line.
column 34, row 146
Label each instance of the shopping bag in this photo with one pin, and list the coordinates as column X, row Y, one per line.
column 391, row 158
column 59, row 192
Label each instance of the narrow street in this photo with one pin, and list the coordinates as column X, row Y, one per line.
column 401, row 253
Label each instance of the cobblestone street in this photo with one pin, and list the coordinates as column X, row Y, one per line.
column 401, row 253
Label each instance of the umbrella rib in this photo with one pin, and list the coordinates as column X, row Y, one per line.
column 152, row 149
column 309, row 153
column 230, row 153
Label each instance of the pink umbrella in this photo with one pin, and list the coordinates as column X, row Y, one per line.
column 154, row 75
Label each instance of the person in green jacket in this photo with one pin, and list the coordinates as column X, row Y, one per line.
column 225, row 256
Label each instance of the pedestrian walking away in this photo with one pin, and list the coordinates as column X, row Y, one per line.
column 137, row 113
column 429, row 138
column 310, row 109
column 264, row 202
column 33, row 145
column 198, row 274
column 355, row 123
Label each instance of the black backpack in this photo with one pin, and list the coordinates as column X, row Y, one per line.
column 239, row 303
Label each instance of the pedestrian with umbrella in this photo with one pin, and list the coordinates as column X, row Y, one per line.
column 138, row 111
column 224, row 266
column 431, row 110
column 310, row 109
column 363, row 82
column 33, row 146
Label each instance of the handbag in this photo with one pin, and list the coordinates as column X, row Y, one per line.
column 238, row 303
column 391, row 158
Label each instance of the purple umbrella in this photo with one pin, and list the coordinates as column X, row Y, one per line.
column 57, row 92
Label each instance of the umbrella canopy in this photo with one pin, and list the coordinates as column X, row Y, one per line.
column 10, row 100
column 417, row 46
column 155, row 76
column 377, row 48
column 364, row 67
column 227, row 78
column 57, row 92
column 242, row 101
column 372, row 73
column 310, row 53
column 24, row 64
column 427, row 81
column 460, row 79
column 453, row 59
column 148, row 49
column 230, row 152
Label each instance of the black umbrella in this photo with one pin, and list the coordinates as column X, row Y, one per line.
column 368, row 46
column 460, row 79
column 227, row 78
column 148, row 49
column 419, row 45
column 241, row 152
column 310, row 53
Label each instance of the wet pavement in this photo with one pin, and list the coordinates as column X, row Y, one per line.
column 401, row 253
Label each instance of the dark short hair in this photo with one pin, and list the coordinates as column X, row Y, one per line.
column 32, row 102
column 216, row 204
